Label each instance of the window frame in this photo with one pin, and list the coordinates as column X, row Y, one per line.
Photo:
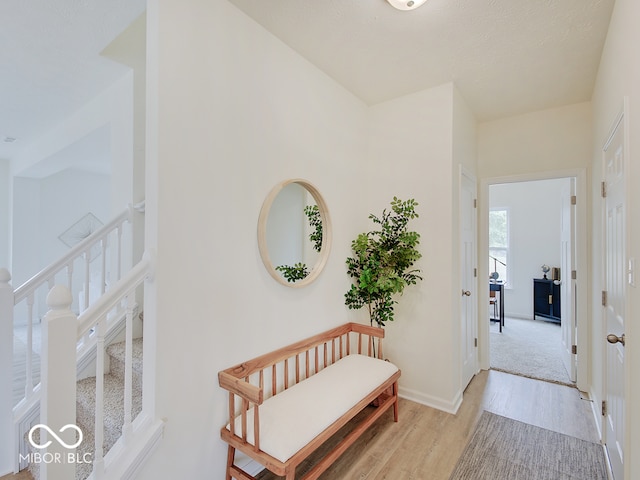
column 506, row 249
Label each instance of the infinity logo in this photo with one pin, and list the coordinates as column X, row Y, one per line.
column 53, row 434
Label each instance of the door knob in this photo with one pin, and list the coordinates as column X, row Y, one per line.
column 466, row 293
column 611, row 338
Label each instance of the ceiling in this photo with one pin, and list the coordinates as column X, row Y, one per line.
column 50, row 62
column 505, row 56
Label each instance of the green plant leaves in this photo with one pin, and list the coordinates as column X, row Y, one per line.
column 382, row 261
column 293, row 273
column 315, row 221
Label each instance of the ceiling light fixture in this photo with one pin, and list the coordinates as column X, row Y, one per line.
column 406, row 4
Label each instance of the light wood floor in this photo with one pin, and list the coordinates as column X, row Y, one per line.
column 426, row 443
column 23, row 475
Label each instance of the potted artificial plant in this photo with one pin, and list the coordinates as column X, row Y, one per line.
column 382, row 262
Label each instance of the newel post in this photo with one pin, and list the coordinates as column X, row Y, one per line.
column 58, row 386
column 7, row 454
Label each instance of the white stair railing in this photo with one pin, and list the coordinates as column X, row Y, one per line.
column 119, row 299
column 109, row 240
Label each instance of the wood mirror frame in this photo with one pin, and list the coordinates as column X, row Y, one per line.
column 317, row 267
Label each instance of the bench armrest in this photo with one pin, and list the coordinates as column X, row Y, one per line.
column 367, row 330
column 239, row 387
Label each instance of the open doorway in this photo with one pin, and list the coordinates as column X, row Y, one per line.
column 531, row 267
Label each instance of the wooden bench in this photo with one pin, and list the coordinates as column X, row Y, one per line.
column 285, row 404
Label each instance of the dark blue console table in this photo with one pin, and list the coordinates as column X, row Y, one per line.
column 546, row 299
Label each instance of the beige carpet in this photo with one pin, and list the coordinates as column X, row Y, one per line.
column 505, row 449
column 530, row 348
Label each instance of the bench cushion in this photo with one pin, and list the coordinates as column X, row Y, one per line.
column 293, row 418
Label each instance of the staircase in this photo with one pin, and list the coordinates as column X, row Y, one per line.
column 120, row 430
column 113, row 405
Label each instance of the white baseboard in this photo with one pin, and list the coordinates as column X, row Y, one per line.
column 247, row 464
column 518, row 315
column 451, row 406
column 596, row 409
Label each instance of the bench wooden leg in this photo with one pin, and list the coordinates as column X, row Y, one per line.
column 395, row 404
column 231, row 453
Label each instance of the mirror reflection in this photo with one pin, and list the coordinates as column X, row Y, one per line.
column 294, row 225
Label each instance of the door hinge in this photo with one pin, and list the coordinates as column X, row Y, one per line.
column 603, row 190
column 574, row 274
column 475, row 203
column 475, row 273
column 604, row 298
column 475, row 342
column 574, row 200
column 604, row 408
column 574, row 349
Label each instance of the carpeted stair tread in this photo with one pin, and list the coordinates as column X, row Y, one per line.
column 117, row 352
column 113, row 404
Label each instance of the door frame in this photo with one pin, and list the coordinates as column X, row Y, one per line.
column 568, row 283
column 581, row 263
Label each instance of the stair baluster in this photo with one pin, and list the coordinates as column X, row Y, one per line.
column 98, row 455
column 128, row 370
column 28, row 387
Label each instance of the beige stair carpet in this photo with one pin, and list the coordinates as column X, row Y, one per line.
column 113, row 405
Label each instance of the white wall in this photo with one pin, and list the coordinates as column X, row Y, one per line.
column 25, row 252
column 129, row 48
column 619, row 76
column 534, row 229
column 465, row 135
column 542, row 141
column 232, row 112
column 410, row 156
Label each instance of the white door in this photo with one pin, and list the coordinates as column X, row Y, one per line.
column 567, row 281
column 614, row 301
column 468, row 276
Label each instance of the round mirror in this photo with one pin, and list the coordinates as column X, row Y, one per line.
column 294, row 233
